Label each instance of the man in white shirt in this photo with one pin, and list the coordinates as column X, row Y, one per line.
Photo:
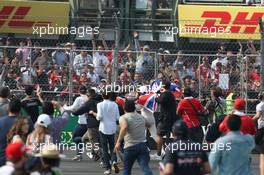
column 108, row 115
column 81, row 60
column 81, row 127
column 260, row 112
column 92, row 76
column 219, row 58
column 100, row 61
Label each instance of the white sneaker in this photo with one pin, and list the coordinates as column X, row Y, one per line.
column 107, row 172
column 155, row 157
column 77, row 158
column 90, row 155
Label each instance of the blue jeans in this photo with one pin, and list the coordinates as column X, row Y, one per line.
column 139, row 152
column 77, row 134
column 108, row 143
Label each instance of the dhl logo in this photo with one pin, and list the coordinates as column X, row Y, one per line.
column 244, row 22
column 17, row 20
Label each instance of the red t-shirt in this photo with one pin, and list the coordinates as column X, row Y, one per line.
column 187, row 112
column 204, row 71
column 247, row 126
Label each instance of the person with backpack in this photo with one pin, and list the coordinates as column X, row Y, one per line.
column 216, row 106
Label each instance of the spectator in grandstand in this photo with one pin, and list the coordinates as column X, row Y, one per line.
column 81, row 126
column 9, row 51
column 10, row 79
column 183, row 160
column 36, row 52
column 129, row 61
column 92, row 133
column 4, row 101
column 16, row 158
column 216, row 105
column 40, row 135
column 22, row 51
column 187, row 81
column 166, row 118
column 50, row 159
column 58, row 123
column 6, row 124
column 59, row 56
column 145, row 63
column 124, row 79
column 194, row 86
column 92, row 76
column 108, row 115
column 189, row 108
column 99, row 59
column 247, row 123
column 219, row 59
column 259, row 117
column 82, row 60
column 31, row 104
column 19, row 131
column 42, row 79
column 44, row 62
column 224, row 159
column 137, row 79
column 204, row 71
column 27, row 73
column 132, row 131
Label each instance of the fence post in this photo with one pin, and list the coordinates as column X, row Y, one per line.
column 199, row 79
column 262, row 54
column 156, row 65
column 70, row 84
column 117, row 35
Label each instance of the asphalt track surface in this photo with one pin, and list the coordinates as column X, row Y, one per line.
column 89, row 167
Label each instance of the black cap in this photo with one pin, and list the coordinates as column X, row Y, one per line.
column 180, row 128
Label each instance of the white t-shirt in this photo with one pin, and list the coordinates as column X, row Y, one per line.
column 7, row 169
column 223, row 61
column 99, row 62
column 260, row 108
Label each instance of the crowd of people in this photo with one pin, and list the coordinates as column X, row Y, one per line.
column 190, row 137
column 64, row 68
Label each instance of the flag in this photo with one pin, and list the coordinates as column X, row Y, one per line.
column 120, row 101
column 157, row 85
column 148, row 101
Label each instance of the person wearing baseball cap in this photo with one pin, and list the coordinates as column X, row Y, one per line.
column 16, row 155
column 40, row 134
column 248, row 125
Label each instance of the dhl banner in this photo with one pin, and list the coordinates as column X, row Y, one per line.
column 225, row 22
column 23, row 16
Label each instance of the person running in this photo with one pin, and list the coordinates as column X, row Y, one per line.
column 168, row 117
column 6, row 124
column 188, row 108
column 228, row 149
column 81, row 126
column 133, row 132
column 184, row 156
column 248, row 125
column 92, row 133
column 107, row 114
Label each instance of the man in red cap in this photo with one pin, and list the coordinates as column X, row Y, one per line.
column 16, row 158
column 248, row 125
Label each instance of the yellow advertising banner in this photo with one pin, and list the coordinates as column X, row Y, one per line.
column 27, row 16
column 225, row 22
